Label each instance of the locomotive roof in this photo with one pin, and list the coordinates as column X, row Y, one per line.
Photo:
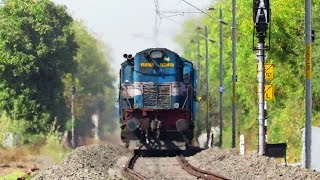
column 152, row 49
column 161, row 49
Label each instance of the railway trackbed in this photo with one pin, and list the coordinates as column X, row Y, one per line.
column 164, row 166
column 128, row 170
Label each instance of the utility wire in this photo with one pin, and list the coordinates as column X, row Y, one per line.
column 181, row 12
column 173, row 15
column 157, row 22
column 219, row 20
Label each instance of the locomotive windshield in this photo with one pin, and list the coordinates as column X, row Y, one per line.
column 157, row 62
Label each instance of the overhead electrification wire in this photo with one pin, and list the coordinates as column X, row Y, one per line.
column 157, row 21
column 219, row 20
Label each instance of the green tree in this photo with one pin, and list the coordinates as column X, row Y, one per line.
column 94, row 81
column 36, row 50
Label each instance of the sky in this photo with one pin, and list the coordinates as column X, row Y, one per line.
column 130, row 26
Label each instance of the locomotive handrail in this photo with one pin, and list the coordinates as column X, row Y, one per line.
column 185, row 101
column 125, row 89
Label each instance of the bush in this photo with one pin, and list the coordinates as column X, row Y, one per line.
column 48, row 144
column 53, row 145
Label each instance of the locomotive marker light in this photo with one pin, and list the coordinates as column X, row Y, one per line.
column 176, row 105
column 261, row 19
column 156, row 55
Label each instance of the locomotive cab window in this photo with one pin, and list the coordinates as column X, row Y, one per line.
column 186, row 74
column 127, row 76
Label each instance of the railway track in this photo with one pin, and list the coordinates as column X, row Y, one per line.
column 128, row 170
column 164, row 165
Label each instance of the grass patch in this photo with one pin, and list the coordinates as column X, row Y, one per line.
column 54, row 149
column 51, row 147
column 13, row 175
column 13, row 154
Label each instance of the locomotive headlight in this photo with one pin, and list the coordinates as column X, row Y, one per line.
column 132, row 124
column 135, row 106
column 176, row 105
column 156, row 54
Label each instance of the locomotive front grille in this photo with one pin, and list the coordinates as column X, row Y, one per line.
column 157, row 95
column 149, row 95
column 164, row 96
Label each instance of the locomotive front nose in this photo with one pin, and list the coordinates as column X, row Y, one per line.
column 182, row 125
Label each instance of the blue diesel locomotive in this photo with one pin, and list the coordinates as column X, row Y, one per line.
column 157, row 99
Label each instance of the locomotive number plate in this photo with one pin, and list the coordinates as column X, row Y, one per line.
column 150, row 65
column 167, row 64
column 146, row 64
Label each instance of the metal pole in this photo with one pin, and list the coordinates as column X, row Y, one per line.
column 265, row 119
column 72, row 116
column 221, row 81
column 261, row 20
column 234, row 41
column 198, row 80
column 207, row 87
column 261, row 82
column 308, row 84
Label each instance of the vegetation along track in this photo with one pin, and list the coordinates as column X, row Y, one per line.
column 160, row 164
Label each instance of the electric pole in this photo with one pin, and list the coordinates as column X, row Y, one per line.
column 308, row 67
column 73, row 90
column 207, row 87
column 199, row 69
column 221, row 89
column 234, row 76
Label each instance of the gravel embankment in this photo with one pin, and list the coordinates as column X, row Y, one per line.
column 87, row 162
column 229, row 164
column 107, row 161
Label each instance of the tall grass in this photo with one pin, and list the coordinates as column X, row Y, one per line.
column 53, row 146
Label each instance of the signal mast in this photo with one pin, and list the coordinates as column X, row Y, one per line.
column 261, row 20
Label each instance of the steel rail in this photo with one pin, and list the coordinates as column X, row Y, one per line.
column 128, row 170
column 199, row 173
